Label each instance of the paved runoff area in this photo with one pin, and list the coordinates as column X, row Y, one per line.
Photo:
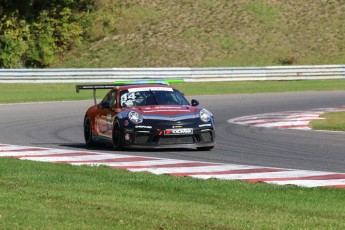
column 180, row 168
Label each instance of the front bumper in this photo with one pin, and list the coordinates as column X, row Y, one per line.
column 159, row 139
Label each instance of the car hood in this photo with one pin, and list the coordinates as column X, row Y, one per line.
column 167, row 110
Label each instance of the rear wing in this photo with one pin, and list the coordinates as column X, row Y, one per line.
column 119, row 83
column 94, row 88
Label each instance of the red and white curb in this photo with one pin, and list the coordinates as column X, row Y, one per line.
column 284, row 120
column 201, row 170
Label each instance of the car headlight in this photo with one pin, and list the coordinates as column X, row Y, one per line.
column 205, row 115
column 135, row 117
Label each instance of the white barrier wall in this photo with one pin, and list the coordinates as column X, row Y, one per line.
column 185, row 74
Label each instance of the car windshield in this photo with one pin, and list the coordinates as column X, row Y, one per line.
column 151, row 96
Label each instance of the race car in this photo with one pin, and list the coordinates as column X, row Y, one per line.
column 147, row 115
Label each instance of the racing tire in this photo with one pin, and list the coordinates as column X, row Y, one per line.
column 88, row 132
column 205, row 148
column 118, row 138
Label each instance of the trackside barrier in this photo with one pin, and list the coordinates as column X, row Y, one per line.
column 74, row 75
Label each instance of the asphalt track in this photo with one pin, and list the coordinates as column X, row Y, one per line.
column 59, row 125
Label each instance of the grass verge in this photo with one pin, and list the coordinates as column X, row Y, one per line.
column 13, row 93
column 36, row 195
column 334, row 121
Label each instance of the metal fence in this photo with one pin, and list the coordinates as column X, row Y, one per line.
column 186, row 74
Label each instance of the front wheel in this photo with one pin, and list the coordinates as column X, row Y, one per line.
column 88, row 132
column 118, row 138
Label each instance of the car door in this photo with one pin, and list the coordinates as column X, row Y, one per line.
column 107, row 110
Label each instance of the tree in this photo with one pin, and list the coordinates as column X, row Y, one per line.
column 35, row 32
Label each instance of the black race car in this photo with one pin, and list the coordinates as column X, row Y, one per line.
column 148, row 116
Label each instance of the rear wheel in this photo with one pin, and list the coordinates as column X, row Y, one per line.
column 118, row 138
column 88, row 132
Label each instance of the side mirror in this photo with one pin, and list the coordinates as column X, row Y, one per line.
column 195, row 102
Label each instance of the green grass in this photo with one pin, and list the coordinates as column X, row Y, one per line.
column 11, row 93
column 36, row 195
column 207, row 33
column 332, row 121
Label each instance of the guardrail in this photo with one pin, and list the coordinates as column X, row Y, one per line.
column 185, row 74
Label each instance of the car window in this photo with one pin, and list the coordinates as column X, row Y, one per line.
column 151, row 96
column 110, row 98
column 170, row 98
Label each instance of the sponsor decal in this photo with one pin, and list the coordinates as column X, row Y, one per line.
column 109, row 122
column 178, row 131
column 109, row 117
column 101, row 125
column 166, row 110
column 205, row 125
column 150, row 89
column 143, row 127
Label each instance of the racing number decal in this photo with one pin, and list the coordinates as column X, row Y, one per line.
column 128, row 99
column 128, row 96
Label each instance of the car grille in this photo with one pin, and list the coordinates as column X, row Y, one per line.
column 207, row 136
column 141, row 138
column 164, row 140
